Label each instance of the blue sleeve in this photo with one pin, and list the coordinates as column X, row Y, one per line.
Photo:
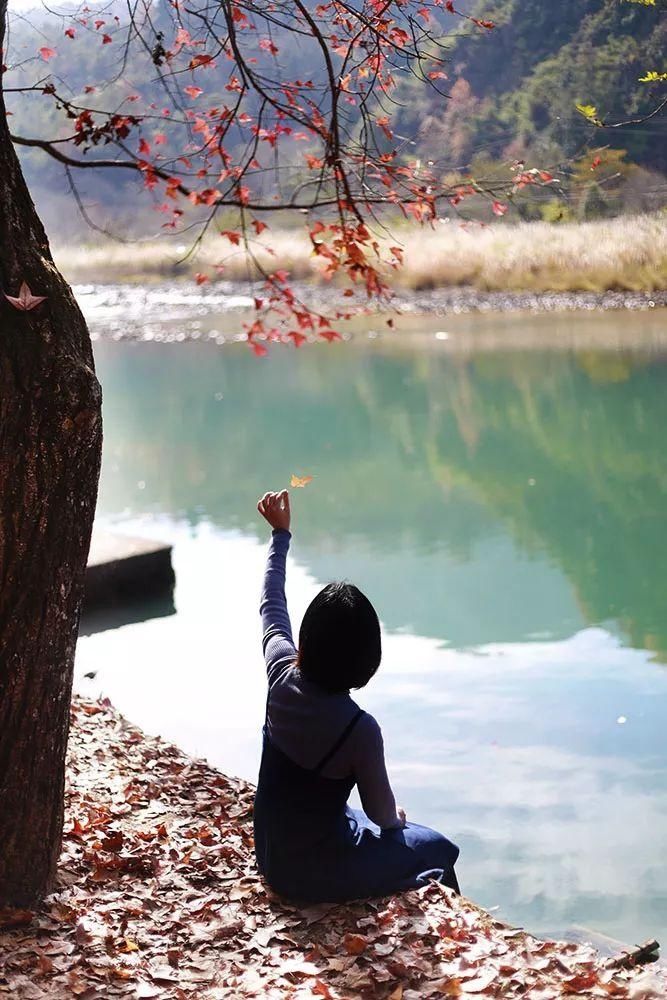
column 277, row 641
column 370, row 771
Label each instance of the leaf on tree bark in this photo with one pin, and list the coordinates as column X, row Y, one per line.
column 25, row 300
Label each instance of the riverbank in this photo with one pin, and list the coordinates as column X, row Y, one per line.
column 157, row 897
column 453, row 322
column 608, row 256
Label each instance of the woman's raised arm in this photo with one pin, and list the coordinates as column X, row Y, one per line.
column 277, row 641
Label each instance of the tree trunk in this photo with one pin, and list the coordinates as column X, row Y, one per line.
column 50, row 445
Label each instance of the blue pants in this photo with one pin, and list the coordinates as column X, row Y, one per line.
column 381, row 862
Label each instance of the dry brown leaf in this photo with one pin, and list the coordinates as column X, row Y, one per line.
column 448, row 987
column 321, row 989
column 146, row 991
column 355, row 944
column 480, row 983
column 45, row 964
column 581, row 983
column 300, row 481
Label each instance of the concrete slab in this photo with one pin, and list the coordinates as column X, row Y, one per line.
column 128, row 579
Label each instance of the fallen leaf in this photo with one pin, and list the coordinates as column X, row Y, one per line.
column 581, row 983
column 354, row 944
column 45, row 965
column 448, row 987
column 322, row 990
column 480, row 983
column 144, row 991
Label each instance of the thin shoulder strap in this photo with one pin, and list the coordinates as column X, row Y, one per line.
column 339, row 742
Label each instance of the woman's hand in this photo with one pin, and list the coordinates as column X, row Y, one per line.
column 274, row 507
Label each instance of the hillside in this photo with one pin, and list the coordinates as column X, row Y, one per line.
column 511, row 94
column 515, row 91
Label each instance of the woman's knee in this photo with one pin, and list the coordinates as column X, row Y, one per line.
column 435, row 848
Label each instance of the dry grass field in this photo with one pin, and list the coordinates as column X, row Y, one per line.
column 627, row 253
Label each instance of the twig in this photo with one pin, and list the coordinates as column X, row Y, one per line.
column 641, row 955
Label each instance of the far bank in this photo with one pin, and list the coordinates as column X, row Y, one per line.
column 623, row 255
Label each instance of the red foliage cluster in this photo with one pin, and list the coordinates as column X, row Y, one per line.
column 233, row 129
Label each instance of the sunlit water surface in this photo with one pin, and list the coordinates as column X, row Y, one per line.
column 505, row 512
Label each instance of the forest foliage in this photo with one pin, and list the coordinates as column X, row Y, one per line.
column 510, row 95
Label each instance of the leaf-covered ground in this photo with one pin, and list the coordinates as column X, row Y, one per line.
column 158, row 897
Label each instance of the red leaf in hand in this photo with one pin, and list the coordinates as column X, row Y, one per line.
column 25, row 300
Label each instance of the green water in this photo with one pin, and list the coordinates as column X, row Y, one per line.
column 506, row 514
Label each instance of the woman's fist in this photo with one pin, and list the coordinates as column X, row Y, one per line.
column 274, row 507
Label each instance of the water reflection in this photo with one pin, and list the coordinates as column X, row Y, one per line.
column 128, row 613
column 496, row 498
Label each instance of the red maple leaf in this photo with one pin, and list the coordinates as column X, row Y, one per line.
column 25, row 301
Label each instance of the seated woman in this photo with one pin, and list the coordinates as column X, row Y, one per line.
column 318, row 744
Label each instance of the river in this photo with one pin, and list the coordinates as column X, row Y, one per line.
column 505, row 511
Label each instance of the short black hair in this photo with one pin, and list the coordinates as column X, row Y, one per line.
column 339, row 639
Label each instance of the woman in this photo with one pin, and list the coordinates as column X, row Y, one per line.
column 318, row 744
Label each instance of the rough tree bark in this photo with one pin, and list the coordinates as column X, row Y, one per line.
column 50, row 445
